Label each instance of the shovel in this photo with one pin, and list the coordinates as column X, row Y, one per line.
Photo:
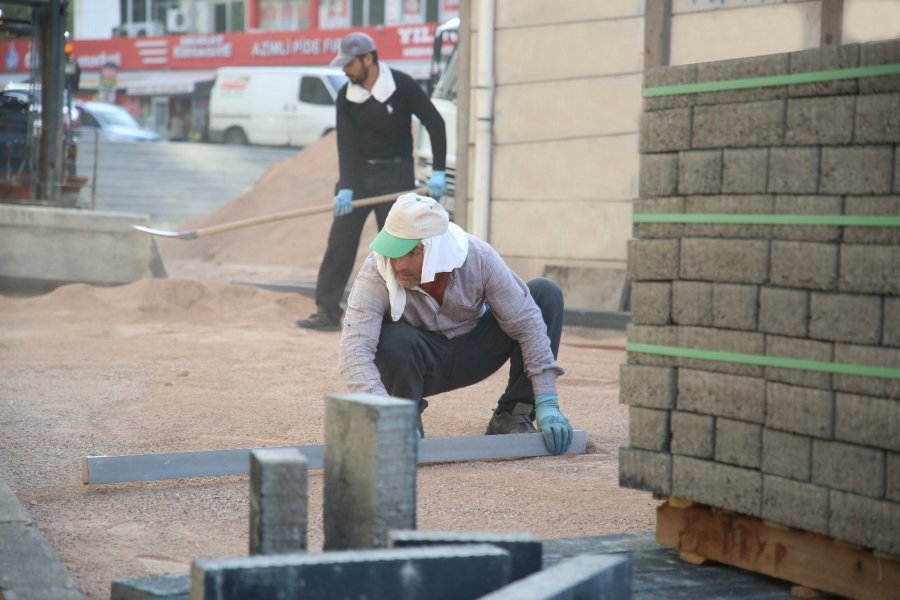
column 193, row 234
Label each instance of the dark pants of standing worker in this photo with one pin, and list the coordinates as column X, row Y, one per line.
column 415, row 364
column 380, row 176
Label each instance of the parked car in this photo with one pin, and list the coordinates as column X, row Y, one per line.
column 112, row 123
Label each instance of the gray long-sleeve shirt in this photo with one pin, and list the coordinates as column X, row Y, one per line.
column 482, row 279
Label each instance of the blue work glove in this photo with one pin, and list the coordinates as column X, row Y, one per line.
column 437, row 184
column 342, row 202
column 552, row 424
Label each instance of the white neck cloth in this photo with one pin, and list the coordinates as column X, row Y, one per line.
column 443, row 254
column 382, row 90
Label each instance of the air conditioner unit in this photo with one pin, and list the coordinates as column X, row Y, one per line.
column 177, row 21
column 143, row 29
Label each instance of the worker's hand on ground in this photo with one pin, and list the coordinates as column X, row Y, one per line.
column 437, row 185
column 552, row 424
column 343, row 202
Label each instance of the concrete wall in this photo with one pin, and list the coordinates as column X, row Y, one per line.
column 565, row 117
column 814, row 447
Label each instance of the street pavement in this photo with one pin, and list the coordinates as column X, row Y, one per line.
column 169, row 181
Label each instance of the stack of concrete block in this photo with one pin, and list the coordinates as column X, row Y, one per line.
column 817, row 450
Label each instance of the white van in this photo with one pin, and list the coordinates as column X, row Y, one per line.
column 273, row 106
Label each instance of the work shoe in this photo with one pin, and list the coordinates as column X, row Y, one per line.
column 321, row 321
column 518, row 420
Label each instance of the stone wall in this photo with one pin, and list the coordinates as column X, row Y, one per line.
column 763, row 372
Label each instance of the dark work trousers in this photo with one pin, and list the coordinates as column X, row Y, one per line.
column 382, row 176
column 416, row 364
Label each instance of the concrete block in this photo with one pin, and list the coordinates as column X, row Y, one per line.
column 729, row 204
column 876, row 356
column 877, row 119
column 891, row 333
column 740, row 125
column 874, row 206
column 700, row 172
column 824, row 58
column 807, row 205
column 672, row 75
column 879, row 53
column 856, row 170
column 665, row 130
column 806, row 411
column 278, row 501
column 648, row 429
column 786, row 454
column 892, row 477
column 820, row 120
column 848, row 467
column 723, row 486
column 692, row 434
column 652, row 260
column 735, row 261
column 788, row 347
column 870, row 269
column 795, row 504
column 738, row 443
column 829, row 317
column 735, row 306
column 670, row 205
column 804, row 265
column 651, row 303
column 722, row 395
column 794, row 170
column 692, row 303
column 651, row 334
column 645, row 470
column 652, row 387
column 29, row 568
column 783, row 311
column 745, row 170
column 866, row 521
column 743, row 68
column 585, row 576
column 867, row 420
column 448, row 572
column 525, row 549
column 721, row 340
column 161, row 587
column 658, row 175
column 370, row 469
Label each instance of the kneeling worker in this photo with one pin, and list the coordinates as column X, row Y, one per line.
column 434, row 309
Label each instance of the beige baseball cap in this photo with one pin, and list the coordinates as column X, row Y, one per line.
column 411, row 219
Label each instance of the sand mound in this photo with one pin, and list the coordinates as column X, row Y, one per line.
column 295, row 245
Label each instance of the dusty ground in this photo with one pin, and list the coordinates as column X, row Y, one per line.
column 193, row 363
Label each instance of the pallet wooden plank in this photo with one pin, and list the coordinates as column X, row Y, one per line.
column 214, row 463
column 811, row 560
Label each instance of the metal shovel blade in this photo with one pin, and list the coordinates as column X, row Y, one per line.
column 182, row 235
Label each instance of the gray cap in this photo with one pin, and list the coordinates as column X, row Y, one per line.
column 353, row 45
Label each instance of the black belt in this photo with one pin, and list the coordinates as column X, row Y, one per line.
column 393, row 160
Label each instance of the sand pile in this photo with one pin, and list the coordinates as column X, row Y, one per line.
column 289, row 249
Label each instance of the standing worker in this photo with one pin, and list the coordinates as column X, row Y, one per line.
column 434, row 309
column 374, row 141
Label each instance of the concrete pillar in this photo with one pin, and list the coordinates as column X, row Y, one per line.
column 278, row 501
column 370, row 469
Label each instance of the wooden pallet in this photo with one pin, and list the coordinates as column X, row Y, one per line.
column 814, row 562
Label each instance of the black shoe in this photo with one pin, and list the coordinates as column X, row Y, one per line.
column 517, row 420
column 320, row 321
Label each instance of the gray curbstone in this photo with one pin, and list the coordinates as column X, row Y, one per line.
column 278, row 501
column 160, row 587
column 599, row 577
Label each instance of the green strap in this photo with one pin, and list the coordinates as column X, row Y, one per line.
column 772, row 80
column 759, row 219
column 766, row 361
